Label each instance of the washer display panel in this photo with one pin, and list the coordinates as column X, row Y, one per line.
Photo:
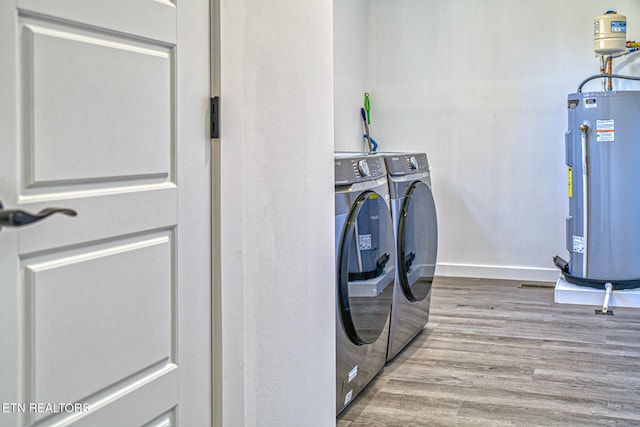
column 366, row 268
column 417, row 242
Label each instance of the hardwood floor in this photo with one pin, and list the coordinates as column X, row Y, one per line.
column 498, row 354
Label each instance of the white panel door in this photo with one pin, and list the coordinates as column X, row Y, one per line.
column 105, row 316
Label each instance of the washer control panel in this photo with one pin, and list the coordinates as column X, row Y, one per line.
column 405, row 164
column 350, row 170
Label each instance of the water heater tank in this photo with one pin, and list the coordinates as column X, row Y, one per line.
column 610, row 33
column 603, row 226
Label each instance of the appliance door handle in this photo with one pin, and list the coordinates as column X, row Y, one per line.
column 19, row 217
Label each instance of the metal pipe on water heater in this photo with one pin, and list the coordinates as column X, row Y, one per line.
column 584, row 128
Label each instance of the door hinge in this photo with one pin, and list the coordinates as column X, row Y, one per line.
column 215, row 117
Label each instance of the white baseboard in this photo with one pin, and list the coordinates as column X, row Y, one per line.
column 498, row 272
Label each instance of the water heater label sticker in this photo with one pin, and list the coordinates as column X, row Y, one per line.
column 590, row 102
column 578, row 244
column 364, row 242
column 605, row 130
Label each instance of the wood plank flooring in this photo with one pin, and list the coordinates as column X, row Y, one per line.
column 495, row 353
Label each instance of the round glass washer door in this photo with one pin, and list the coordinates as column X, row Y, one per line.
column 366, row 268
column 417, row 242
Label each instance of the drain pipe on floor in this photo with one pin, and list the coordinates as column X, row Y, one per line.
column 608, row 289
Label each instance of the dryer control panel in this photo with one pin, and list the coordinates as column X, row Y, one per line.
column 358, row 169
column 406, row 164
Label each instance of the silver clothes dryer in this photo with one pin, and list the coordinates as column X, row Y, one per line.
column 365, row 272
column 416, row 238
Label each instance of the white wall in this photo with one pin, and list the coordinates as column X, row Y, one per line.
column 277, row 296
column 481, row 87
column 350, row 71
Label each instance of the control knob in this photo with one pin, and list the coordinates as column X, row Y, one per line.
column 363, row 167
column 413, row 163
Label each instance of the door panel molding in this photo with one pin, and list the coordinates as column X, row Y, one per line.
column 117, row 102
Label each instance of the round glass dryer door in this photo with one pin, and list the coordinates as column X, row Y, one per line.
column 417, row 242
column 366, row 269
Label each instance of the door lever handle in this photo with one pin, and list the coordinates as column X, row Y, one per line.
column 19, row 217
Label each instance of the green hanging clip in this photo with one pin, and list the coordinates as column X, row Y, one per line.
column 367, row 107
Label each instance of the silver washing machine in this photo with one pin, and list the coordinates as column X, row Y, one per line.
column 365, row 272
column 416, row 239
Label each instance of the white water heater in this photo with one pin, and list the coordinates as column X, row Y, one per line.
column 610, row 33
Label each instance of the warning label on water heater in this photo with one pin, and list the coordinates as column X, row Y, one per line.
column 605, row 130
column 578, row 244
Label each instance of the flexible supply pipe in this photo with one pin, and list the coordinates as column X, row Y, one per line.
column 584, row 128
column 628, row 52
column 602, row 76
